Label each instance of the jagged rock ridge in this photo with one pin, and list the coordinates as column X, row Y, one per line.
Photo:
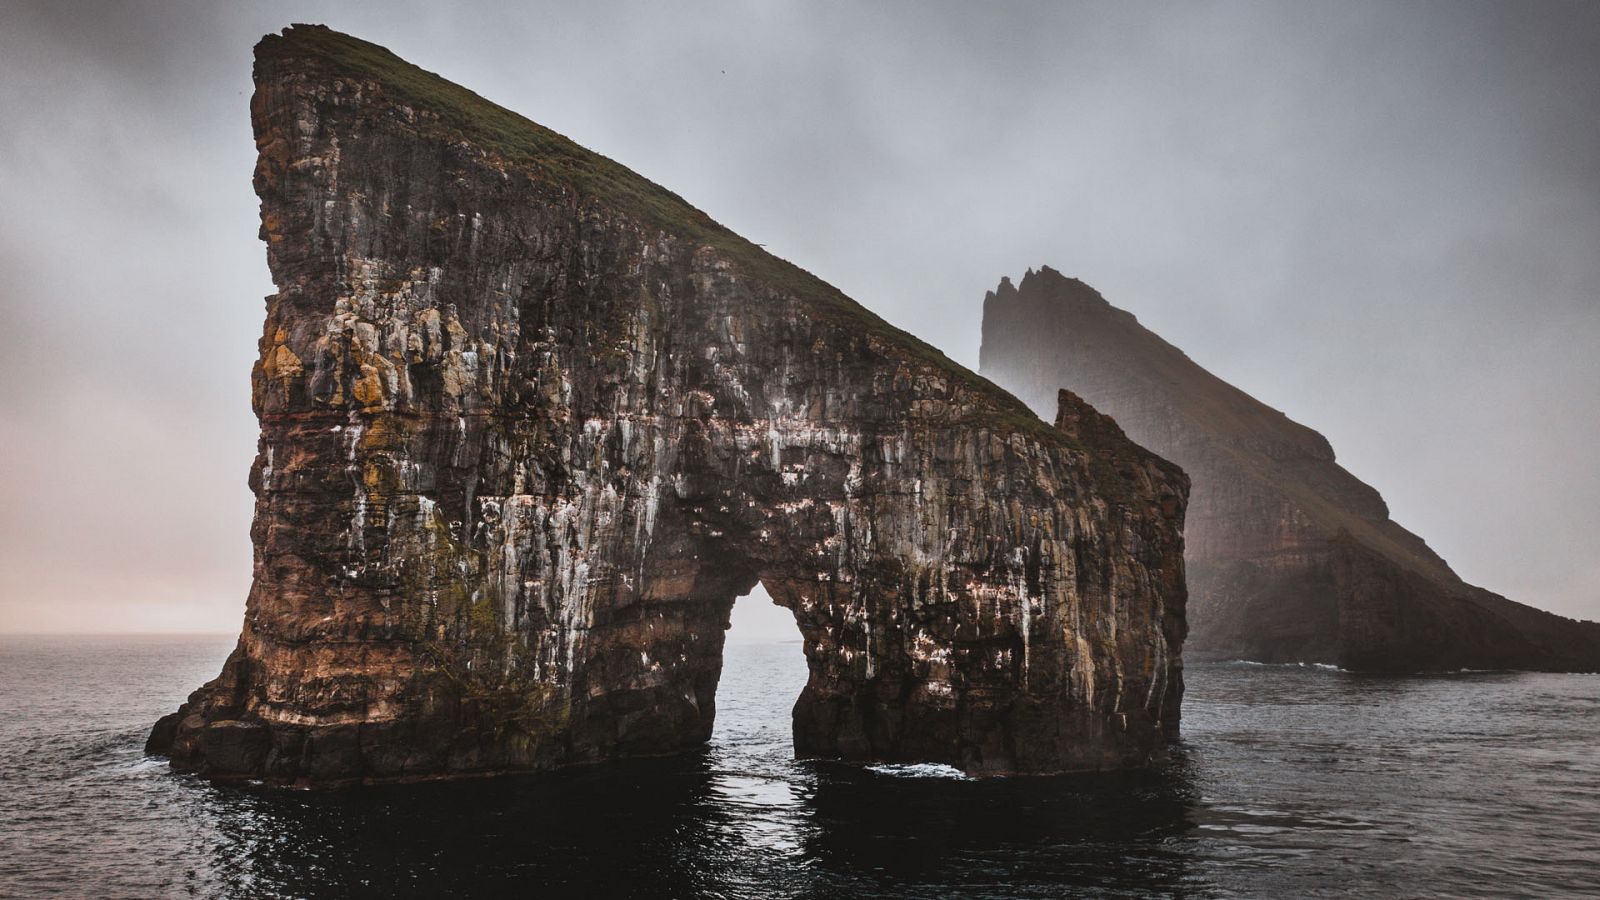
column 1290, row 557
column 530, row 423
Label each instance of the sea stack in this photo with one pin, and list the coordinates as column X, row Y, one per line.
column 1290, row 557
column 530, row 423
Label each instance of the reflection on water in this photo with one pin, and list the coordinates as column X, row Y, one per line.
column 1289, row 782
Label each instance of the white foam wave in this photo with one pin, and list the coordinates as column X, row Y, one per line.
column 1327, row 667
column 921, row 770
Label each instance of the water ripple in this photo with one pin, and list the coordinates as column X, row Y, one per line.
column 1290, row 781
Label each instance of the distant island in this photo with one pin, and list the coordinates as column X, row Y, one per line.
column 1290, row 557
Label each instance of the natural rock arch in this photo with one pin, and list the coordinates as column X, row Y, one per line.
column 530, row 424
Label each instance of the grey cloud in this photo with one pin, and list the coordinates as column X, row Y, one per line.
column 1381, row 218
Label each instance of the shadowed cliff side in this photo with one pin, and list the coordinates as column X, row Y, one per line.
column 1290, row 557
column 530, row 423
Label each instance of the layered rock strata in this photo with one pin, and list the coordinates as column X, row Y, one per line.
column 530, row 424
column 1290, row 557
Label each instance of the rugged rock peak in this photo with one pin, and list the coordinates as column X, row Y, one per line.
column 1048, row 282
column 530, row 423
column 1290, row 557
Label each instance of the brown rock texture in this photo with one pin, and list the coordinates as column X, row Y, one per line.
column 1290, row 557
column 530, row 424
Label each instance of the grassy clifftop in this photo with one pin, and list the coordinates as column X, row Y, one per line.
column 556, row 158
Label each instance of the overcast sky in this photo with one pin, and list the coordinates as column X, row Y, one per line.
column 1383, row 219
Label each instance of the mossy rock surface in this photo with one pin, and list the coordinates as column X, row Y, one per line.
column 550, row 156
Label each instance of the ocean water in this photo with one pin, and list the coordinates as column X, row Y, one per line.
column 1289, row 782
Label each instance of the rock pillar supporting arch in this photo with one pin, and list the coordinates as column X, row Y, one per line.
column 529, row 424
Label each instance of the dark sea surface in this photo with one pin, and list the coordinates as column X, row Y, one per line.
column 1290, row 782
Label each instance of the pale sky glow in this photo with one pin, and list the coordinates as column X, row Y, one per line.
column 756, row 618
column 1381, row 218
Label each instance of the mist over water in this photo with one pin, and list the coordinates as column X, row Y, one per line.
column 1289, row 782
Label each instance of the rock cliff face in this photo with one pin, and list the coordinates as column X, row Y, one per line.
column 1290, row 557
column 530, row 424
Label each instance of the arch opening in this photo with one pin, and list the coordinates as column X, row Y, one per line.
column 764, row 671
